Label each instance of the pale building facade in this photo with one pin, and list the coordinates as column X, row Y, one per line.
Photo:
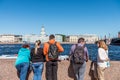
column 58, row 38
column 89, row 38
column 43, row 37
column 6, row 38
column 33, row 37
column 73, row 38
column 30, row 38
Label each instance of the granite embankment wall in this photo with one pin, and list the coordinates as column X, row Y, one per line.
column 8, row 71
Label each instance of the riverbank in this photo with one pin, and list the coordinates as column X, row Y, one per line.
column 8, row 71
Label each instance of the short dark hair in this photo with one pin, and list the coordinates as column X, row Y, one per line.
column 81, row 40
column 51, row 37
column 25, row 45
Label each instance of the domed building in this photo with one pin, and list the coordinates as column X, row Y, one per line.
column 43, row 37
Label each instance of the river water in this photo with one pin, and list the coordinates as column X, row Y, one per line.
column 114, row 51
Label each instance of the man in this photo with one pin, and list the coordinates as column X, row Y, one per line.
column 79, row 68
column 51, row 64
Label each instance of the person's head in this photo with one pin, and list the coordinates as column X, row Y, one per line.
column 51, row 37
column 26, row 46
column 81, row 40
column 102, row 44
column 37, row 45
column 97, row 43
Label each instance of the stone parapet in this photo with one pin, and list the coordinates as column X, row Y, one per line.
column 8, row 71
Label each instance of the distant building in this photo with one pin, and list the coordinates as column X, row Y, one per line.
column 8, row 38
column 58, row 38
column 43, row 37
column 89, row 38
column 32, row 38
column 67, row 38
column 73, row 38
column 42, row 33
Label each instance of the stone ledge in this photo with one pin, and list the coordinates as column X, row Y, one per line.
column 8, row 71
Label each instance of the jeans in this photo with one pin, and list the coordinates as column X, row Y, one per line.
column 37, row 70
column 22, row 69
column 79, row 70
column 51, row 70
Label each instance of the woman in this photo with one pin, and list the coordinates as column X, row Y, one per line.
column 22, row 61
column 37, row 58
column 102, row 59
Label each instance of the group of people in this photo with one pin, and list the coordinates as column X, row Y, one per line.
column 78, row 58
column 36, row 58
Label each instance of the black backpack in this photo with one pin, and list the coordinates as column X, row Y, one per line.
column 78, row 55
column 53, row 51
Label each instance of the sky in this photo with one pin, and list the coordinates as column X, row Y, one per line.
column 69, row 17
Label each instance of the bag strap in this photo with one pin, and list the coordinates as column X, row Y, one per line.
column 76, row 45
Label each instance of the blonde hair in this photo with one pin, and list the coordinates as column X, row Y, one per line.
column 102, row 44
column 37, row 43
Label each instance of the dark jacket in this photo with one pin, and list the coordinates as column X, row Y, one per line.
column 39, row 57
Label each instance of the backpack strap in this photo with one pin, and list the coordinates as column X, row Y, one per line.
column 76, row 45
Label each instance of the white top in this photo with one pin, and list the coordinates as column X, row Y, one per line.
column 102, row 55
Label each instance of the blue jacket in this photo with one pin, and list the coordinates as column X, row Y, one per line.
column 23, row 56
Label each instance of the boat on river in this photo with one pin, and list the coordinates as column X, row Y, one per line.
column 115, row 41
